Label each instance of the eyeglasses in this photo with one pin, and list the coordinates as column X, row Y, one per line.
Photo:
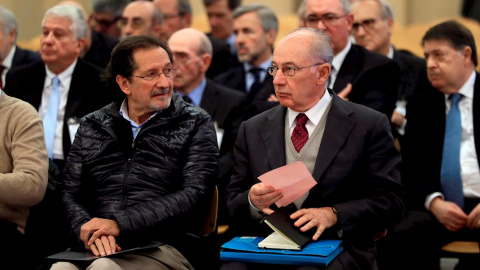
column 289, row 71
column 328, row 19
column 135, row 24
column 181, row 58
column 168, row 72
column 367, row 24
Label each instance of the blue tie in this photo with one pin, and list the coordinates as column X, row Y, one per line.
column 450, row 173
column 50, row 117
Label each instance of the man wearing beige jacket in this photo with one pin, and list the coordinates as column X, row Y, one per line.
column 23, row 174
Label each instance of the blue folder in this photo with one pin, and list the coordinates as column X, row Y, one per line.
column 245, row 249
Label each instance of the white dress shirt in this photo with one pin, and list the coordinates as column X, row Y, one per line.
column 65, row 78
column 337, row 64
column 7, row 63
column 469, row 169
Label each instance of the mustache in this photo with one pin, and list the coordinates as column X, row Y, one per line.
column 160, row 91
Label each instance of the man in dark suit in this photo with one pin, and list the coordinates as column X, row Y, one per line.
column 11, row 56
column 349, row 151
column 372, row 28
column 256, row 27
column 226, row 106
column 441, row 164
column 81, row 90
column 364, row 77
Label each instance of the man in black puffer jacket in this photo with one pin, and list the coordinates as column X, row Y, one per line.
column 140, row 170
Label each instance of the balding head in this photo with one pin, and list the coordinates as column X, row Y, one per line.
column 141, row 18
column 192, row 58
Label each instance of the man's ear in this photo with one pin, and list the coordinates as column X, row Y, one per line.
column 467, row 54
column 322, row 73
column 206, row 61
column 124, row 84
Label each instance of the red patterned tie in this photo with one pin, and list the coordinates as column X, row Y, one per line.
column 300, row 133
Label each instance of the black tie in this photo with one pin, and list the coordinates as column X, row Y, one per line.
column 257, row 84
column 187, row 99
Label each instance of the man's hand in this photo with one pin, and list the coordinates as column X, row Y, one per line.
column 473, row 220
column 98, row 227
column 345, row 92
column 263, row 196
column 397, row 118
column 322, row 218
column 448, row 214
column 105, row 245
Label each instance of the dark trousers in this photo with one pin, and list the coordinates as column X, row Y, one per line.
column 11, row 246
column 415, row 243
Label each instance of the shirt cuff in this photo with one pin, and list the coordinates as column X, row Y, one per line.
column 430, row 198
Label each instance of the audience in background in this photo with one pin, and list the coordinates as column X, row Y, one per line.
column 372, row 28
column 363, row 77
column 11, row 56
column 105, row 16
column 98, row 46
column 141, row 17
column 220, row 18
column 177, row 14
column 440, row 156
column 256, row 28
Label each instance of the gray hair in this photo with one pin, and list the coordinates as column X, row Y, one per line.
column 8, row 20
column 344, row 3
column 115, row 7
column 386, row 10
column 267, row 16
column 183, row 7
column 205, row 45
column 72, row 13
column 320, row 50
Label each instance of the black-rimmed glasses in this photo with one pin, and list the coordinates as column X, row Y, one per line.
column 288, row 71
column 328, row 19
column 367, row 24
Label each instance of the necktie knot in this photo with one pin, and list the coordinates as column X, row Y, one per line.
column 301, row 119
column 256, row 73
column 455, row 98
column 55, row 82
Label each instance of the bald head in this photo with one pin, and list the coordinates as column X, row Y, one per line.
column 192, row 58
column 141, row 18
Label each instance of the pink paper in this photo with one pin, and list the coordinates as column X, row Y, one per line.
column 293, row 180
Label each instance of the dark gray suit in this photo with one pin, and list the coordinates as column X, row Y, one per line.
column 357, row 171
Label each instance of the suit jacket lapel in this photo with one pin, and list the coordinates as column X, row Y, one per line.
column 75, row 93
column 347, row 71
column 210, row 99
column 337, row 129
column 274, row 137
column 476, row 116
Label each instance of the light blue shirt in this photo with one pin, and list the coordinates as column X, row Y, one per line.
column 250, row 78
column 135, row 127
column 197, row 93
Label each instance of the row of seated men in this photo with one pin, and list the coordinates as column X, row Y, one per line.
column 355, row 74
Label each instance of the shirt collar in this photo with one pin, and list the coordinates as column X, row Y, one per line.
column 315, row 113
column 197, row 93
column 7, row 62
column 390, row 53
column 467, row 88
column 338, row 59
column 263, row 65
column 65, row 77
column 124, row 112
